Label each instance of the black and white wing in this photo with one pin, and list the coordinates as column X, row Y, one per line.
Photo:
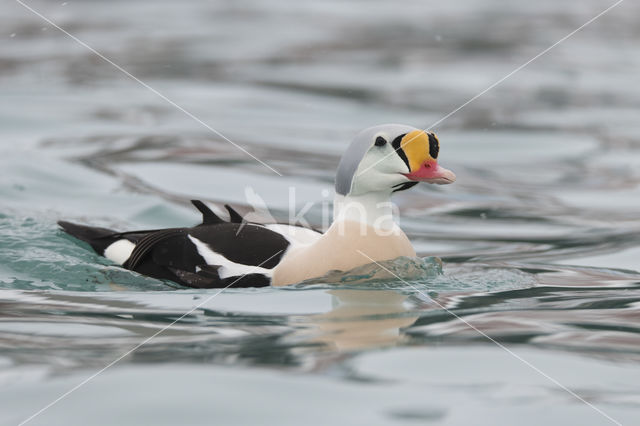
column 210, row 256
column 214, row 254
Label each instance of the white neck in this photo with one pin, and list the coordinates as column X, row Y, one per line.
column 372, row 208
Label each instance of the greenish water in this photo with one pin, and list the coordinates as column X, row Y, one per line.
column 540, row 236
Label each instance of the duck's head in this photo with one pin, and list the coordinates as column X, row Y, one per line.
column 390, row 157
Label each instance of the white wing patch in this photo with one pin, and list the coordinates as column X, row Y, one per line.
column 119, row 251
column 227, row 267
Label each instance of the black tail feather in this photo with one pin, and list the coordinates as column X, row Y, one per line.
column 98, row 238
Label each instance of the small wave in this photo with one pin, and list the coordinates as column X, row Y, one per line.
column 36, row 255
column 399, row 271
column 423, row 274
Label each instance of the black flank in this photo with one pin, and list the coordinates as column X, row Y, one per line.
column 251, row 246
column 146, row 245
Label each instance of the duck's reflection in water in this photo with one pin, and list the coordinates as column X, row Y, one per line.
column 363, row 318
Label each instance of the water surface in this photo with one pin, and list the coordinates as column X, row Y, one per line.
column 540, row 236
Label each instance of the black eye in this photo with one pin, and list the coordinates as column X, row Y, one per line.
column 380, row 141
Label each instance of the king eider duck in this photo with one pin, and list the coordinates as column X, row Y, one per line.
column 218, row 253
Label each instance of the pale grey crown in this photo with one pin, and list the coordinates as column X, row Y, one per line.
column 359, row 147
